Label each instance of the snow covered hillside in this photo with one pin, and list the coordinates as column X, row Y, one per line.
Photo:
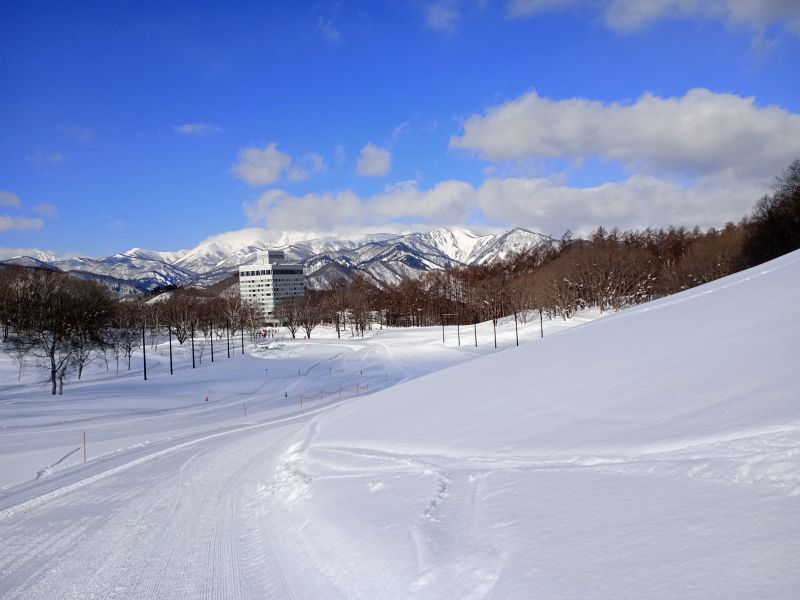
column 654, row 453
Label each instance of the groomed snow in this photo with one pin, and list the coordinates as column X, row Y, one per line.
column 654, row 453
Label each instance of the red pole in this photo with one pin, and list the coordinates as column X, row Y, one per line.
column 84, row 446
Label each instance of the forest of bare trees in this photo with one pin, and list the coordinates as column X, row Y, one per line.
column 61, row 324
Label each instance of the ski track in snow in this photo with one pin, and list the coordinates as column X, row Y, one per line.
column 178, row 534
column 767, row 459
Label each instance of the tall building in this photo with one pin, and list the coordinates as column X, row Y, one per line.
column 270, row 280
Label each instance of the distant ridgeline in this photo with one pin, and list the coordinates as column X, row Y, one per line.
column 385, row 259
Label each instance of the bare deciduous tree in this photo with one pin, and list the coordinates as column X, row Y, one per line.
column 287, row 311
column 310, row 311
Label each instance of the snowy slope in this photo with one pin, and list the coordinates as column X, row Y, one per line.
column 27, row 261
column 456, row 242
column 654, row 453
column 145, row 268
column 504, row 245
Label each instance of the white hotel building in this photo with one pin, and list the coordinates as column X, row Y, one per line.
column 270, row 280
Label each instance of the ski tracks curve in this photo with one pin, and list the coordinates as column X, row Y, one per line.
column 187, row 524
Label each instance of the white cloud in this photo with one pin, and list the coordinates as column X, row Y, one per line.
column 632, row 15
column 46, row 209
column 700, row 133
column 196, row 129
column 523, row 8
column 399, row 204
column 259, row 166
column 19, row 223
column 374, row 161
column 9, row 199
column 637, row 202
column 755, row 14
column 543, row 204
column 442, row 15
column 280, row 210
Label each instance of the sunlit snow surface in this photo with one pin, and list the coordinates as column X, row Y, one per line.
column 653, row 453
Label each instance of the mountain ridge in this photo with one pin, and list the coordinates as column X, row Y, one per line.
column 383, row 257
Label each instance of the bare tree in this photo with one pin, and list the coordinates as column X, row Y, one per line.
column 334, row 305
column 11, row 300
column 287, row 311
column 252, row 318
column 360, row 297
column 310, row 311
column 178, row 312
column 92, row 311
column 54, row 315
column 232, row 312
column 128, row 335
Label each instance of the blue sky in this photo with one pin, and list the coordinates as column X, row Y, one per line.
column 138, row 125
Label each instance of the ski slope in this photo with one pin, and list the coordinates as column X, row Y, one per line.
column 652, row 453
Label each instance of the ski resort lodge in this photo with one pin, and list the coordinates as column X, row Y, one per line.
column 270, row 280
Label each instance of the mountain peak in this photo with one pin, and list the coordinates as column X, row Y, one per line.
column 455, row 242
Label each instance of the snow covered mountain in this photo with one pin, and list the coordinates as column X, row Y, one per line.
column 385, row 258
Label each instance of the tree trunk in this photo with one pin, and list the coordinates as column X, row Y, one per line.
column 52, row 353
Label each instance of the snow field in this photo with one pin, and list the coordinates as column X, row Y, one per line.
column 40, row 432
column 655, row 453
column 172, row 500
